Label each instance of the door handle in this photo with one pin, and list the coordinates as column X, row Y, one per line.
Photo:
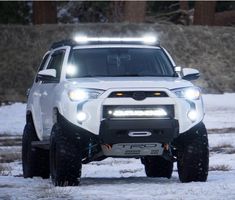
column 37, row 94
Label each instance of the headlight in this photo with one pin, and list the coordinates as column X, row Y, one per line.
column 190, row 93
column 82, row 95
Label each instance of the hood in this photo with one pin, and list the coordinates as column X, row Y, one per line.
column 105, row 83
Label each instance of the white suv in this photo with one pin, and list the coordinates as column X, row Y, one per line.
column 94, row 98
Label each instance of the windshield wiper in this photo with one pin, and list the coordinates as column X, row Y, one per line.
column 125, row 75
column 109, row 75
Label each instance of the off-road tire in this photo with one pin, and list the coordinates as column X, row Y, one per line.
column 35, row 161
column 65, row 159
column 157, row 166
column 193, row 156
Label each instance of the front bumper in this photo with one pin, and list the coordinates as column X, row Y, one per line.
column 118, row 131
column 96, row 108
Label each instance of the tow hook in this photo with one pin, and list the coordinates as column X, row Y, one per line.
column 167, row 153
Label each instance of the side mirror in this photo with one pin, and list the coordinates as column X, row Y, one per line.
column 190, row 74
column 46, row 75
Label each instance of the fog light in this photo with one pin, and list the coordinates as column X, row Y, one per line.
column 81, row 116
column 193, row 115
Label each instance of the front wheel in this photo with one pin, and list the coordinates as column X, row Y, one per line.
column 193, row 156
column 65, row 159
column 157, row 166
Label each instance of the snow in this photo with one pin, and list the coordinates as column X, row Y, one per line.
column 220, row 113
column 220, row 110
column 222, row 139
column 125, row 178
column 12, row 119
column 105, row 181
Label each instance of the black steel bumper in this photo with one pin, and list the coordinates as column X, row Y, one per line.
column 117, row 131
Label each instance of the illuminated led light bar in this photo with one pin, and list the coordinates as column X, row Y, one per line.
column 145, row 39
column 138, row 113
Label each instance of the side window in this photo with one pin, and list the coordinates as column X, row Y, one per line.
column 56, row 62
column 43, row 62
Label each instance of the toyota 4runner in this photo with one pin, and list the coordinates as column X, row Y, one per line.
column 94, row 98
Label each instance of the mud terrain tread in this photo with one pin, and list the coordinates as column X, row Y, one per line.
column 193, row 158
column 157, row 166
column 35, row 161
column 65, row 159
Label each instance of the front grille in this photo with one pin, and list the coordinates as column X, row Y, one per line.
column 137, row 95
column 149, row 111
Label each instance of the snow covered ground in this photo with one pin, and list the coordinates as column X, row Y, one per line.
column 220, row 111
column 125, row 178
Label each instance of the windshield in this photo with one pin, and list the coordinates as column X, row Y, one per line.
column 118, row 62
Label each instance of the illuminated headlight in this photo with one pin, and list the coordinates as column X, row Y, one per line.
column 193, row 115
column 82, row 95
column 138, row 113
column 190, row 93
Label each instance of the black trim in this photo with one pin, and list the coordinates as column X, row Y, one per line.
column 191, row 77
column 47, row 79
column 67, row 42
column 188, row 136
column 132, row 94
column 75, row 132
column 116, row 131
column 86, row 140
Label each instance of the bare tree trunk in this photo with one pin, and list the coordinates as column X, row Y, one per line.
column 134, row 11
column 183, row 5
column 226, row 18
column 44, row 12
column 116, row 11
column 204, row 13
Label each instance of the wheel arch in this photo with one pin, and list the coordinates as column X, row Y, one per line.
column 55, row 114
column 29, row 119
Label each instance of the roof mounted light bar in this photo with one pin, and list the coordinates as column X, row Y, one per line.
column 145, row 39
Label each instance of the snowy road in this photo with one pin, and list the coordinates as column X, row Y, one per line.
column 220, row 185
column 125, row 178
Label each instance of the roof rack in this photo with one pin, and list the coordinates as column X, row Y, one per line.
column 68, row 42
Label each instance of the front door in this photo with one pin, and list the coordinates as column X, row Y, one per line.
column 48, row 89
column 35, row 97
